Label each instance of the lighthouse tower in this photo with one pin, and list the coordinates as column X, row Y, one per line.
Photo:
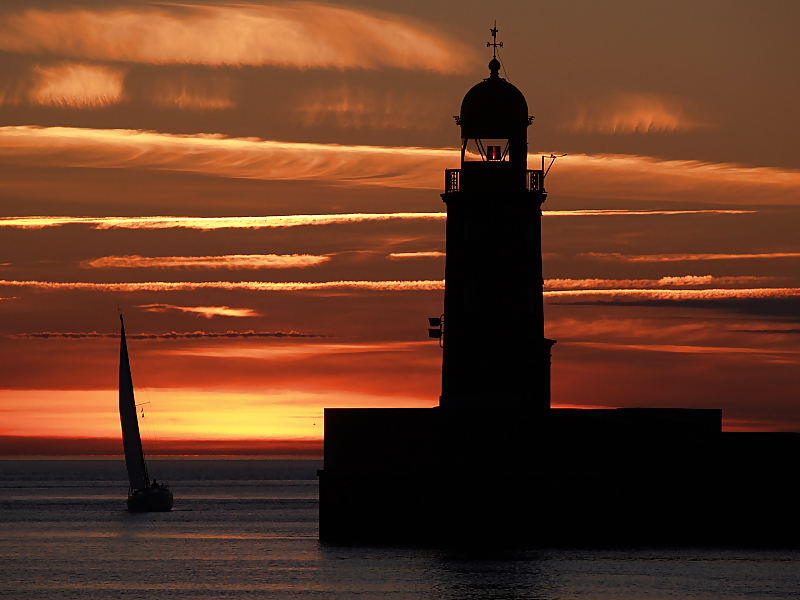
column 483, row 468
column 495, row 353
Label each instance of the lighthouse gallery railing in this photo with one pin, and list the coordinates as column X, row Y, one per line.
column 534, row 181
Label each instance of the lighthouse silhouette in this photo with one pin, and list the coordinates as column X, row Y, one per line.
column 495, row 350
column 494, row 464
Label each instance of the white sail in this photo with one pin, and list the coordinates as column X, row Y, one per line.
column 131, row 440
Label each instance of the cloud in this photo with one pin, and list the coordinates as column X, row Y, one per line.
column 300, row 35
column 210, row 223
column 625, row 112
column 65, row 85
column 648, row 294
column 359, row 108
column 212, row 92
column 227, row 261
column 683, row 257
column 245, row 158
column 685, row 280
column 207, row 311
column 296, row 351
column 636, row 178
column 706, row 279
column 77, row 86
column 396, row 255
column 173, row 335
column 639, row 213
column 259, row 286
column 642, row 178
column 632, row 288
column 685, row 349
column 767, row 331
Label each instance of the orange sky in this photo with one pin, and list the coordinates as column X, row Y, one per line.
column 256, row 186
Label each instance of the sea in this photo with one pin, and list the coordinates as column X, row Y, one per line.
column 248, row 528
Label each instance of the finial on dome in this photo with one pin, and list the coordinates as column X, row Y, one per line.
column 495, row 44
column 494, row 64
column 494, row 67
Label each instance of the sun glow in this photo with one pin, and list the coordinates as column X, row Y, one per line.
column 180, row 414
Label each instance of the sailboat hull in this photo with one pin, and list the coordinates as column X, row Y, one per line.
column 153, row 499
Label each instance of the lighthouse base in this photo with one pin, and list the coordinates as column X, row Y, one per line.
column 554, row 477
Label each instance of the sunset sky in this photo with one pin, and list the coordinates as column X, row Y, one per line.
column 256, row 187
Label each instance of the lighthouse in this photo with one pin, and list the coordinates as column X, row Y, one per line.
column 495, row 353
column 493, row 464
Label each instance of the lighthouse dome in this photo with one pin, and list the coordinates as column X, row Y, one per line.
column 494, row 108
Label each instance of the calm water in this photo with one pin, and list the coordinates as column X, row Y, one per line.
column 248, row 529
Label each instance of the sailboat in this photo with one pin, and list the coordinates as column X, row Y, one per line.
column 143, row 495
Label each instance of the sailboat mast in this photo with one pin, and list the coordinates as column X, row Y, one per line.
column 131, row 439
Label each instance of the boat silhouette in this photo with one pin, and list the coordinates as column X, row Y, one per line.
column 143, row 495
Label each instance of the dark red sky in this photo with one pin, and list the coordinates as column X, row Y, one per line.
column 671, row 246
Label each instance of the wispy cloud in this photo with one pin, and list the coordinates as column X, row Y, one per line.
column 228, row 157
column 652, row 258
column 302, row 34
column 262, row 286
column 639, row 213
column 396, row 255
column 633, row 288
column 680, row 294
column 641, row 178
column 623, row 177
column 211, row 92
column 65, row 85
column 685, row 280
column 768, row 331
column 212, row 222
column 173, row 335
column 353, row 107
column 626, row 112
column 296, row 350
column 206, row 311
column 170, row 222
column 685, row 349
column 226, row 261
column 77, row 86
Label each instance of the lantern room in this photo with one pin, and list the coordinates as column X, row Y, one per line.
column 494, row 121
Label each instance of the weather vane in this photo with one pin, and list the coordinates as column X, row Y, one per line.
column 494, row 44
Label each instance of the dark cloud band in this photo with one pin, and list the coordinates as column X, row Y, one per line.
column 173, row 335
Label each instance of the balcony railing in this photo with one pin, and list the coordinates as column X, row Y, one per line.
column 451, row 177
column 534, row 181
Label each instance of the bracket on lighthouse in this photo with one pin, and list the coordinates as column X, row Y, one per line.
column 553, row 157
column 437, row 328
